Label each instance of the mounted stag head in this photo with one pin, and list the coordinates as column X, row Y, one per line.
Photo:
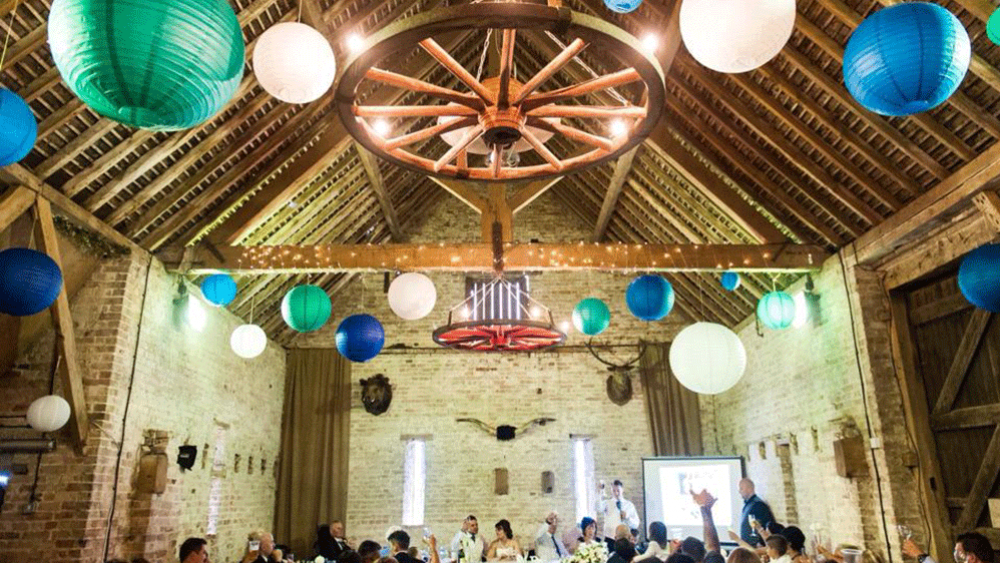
column 376, row 394
column 619, row 383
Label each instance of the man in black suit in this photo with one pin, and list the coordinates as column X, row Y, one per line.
column 399, row 543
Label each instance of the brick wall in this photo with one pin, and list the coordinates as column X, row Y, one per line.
column 432, row 387
column 174, row 388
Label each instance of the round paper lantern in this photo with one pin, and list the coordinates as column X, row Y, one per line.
column 776, row 310
column 979, row 277
column 993, row 27
column 730, row 280
column 306, row 308
column 650, row 298
column 19, row 130
column 736, row 35
column 622, row 6
column 412, row 296
column 906, row 58
column 48, row 413
column 591, row 316
column 360, row 338
column 30, row 281
column 219, row 289
column 294, row 62
column 248, row 341
column 154, row 64
column 707, row 358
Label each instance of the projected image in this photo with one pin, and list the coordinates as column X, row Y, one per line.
column 676, row 484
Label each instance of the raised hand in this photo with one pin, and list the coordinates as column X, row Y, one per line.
column 734, row 536
column 703, row 499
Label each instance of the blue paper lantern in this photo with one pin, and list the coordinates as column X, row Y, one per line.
column 591, row 316
column 360, row 338
column 219, row 289
column 622, row 6
column 30, row 281
column 17, row 135
column 650, row 298
column 730, row 280
column 979, row 277
column 906, row 58
column 306, row 308
column 776, row 310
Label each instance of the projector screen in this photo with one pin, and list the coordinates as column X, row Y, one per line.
column 667, row 482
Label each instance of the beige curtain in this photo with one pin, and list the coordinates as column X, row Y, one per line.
column 315, row 437
column 674, row 416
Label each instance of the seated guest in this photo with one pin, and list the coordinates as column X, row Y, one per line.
column 468, row 541
column 194, row 550
column 589, row 528
column 369, row 551
column 680, row 558
column 265, row 547
column 504, row 547
column 399, row 544
column 622, row 532
column 624, row 551
column 777, row 549
column 657, row 543
column 325, row 545
column 714, row 557
column 742, row 555
column 693, row 547
column 796, row 544
column 548, row 547
column 634, row 536
column 969, row 548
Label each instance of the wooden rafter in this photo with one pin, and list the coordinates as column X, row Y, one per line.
column 14, row 203
column 623, row 167
column 988, row 203
column 370, row 164
column 530, row 192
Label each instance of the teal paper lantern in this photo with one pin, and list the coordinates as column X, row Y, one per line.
column 993, row 27
column 776, row 310
column 591, row 316
column 219, row 289
column 650, row 298
column 154, row 64
column 17, row 135
column 306, row 308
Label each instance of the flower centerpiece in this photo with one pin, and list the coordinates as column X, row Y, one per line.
column 589, row 553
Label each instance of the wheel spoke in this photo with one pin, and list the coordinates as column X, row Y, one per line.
column 457, row 69
column 573, row 133
column 506, row 66
column 414, row 111
column 429, row 132
column 613, row 80
column 466, row 140
column 416, row 85
column 541, row 149
column 597, row 112
column 554, row 65
column 497, row 163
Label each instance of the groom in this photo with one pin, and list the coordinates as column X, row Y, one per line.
column 469, row 541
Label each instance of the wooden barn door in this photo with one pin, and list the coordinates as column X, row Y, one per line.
column 955, row 361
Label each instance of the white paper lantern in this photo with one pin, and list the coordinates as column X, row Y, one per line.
column 736, row 35
column 248, row 341
column 707, row 358
column 48, row 413
column 412, row 296
column 479, row 145
column 294, row 62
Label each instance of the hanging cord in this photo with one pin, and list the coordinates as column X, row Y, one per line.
column 482, row 58
column 6, row 39
column 299, row 17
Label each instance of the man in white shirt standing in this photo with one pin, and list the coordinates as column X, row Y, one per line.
column 548, row 546
column 616, row 510
column 468, row 541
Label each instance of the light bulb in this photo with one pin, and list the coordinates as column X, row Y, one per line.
column 564, row 327
column 464, row 313
column 536, row 312
column 382, row 128
column 618, row 128
column 355, row 43
column 650, row 42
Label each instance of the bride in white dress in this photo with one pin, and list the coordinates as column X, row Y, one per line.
column 505, row 547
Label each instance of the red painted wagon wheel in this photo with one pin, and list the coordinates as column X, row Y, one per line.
column 499, row 335
column 500, row 112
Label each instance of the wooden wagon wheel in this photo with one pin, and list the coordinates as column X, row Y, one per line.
column 499, row 112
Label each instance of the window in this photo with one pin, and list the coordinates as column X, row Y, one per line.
column 583, row 477
column 507, row 298
column 414, row 481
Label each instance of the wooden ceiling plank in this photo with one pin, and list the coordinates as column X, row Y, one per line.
column 987, row 201
column 623, row 167
column 13, row 204
column 71, row 150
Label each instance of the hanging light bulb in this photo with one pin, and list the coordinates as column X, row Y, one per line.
column 618, row 128
column 650, row 42
column 382, row 128
column 355, row 43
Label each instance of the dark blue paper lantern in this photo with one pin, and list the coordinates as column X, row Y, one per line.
column 730, row 280
column 30, row 281
column 979, row 277
column 219, row 289
column 17, row 135
column 650, row 298
column 360, row 338
column 906, row 58
column 622, row 6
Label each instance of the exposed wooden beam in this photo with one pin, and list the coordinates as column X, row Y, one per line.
column 530, row 192
column 10, row 327
column 69, row 366
column 623, row 166
column 497, row 211
column 935, row 206
column 370, row 164
column 988, row 203
column 479, row 257
column 463, row 191
column 14, row 203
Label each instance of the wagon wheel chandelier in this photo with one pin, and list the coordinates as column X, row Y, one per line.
column 500, row 116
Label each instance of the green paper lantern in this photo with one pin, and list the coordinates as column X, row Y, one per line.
column 154, row 64
column 591, row 316
column 306, row 308
column 776, row 310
